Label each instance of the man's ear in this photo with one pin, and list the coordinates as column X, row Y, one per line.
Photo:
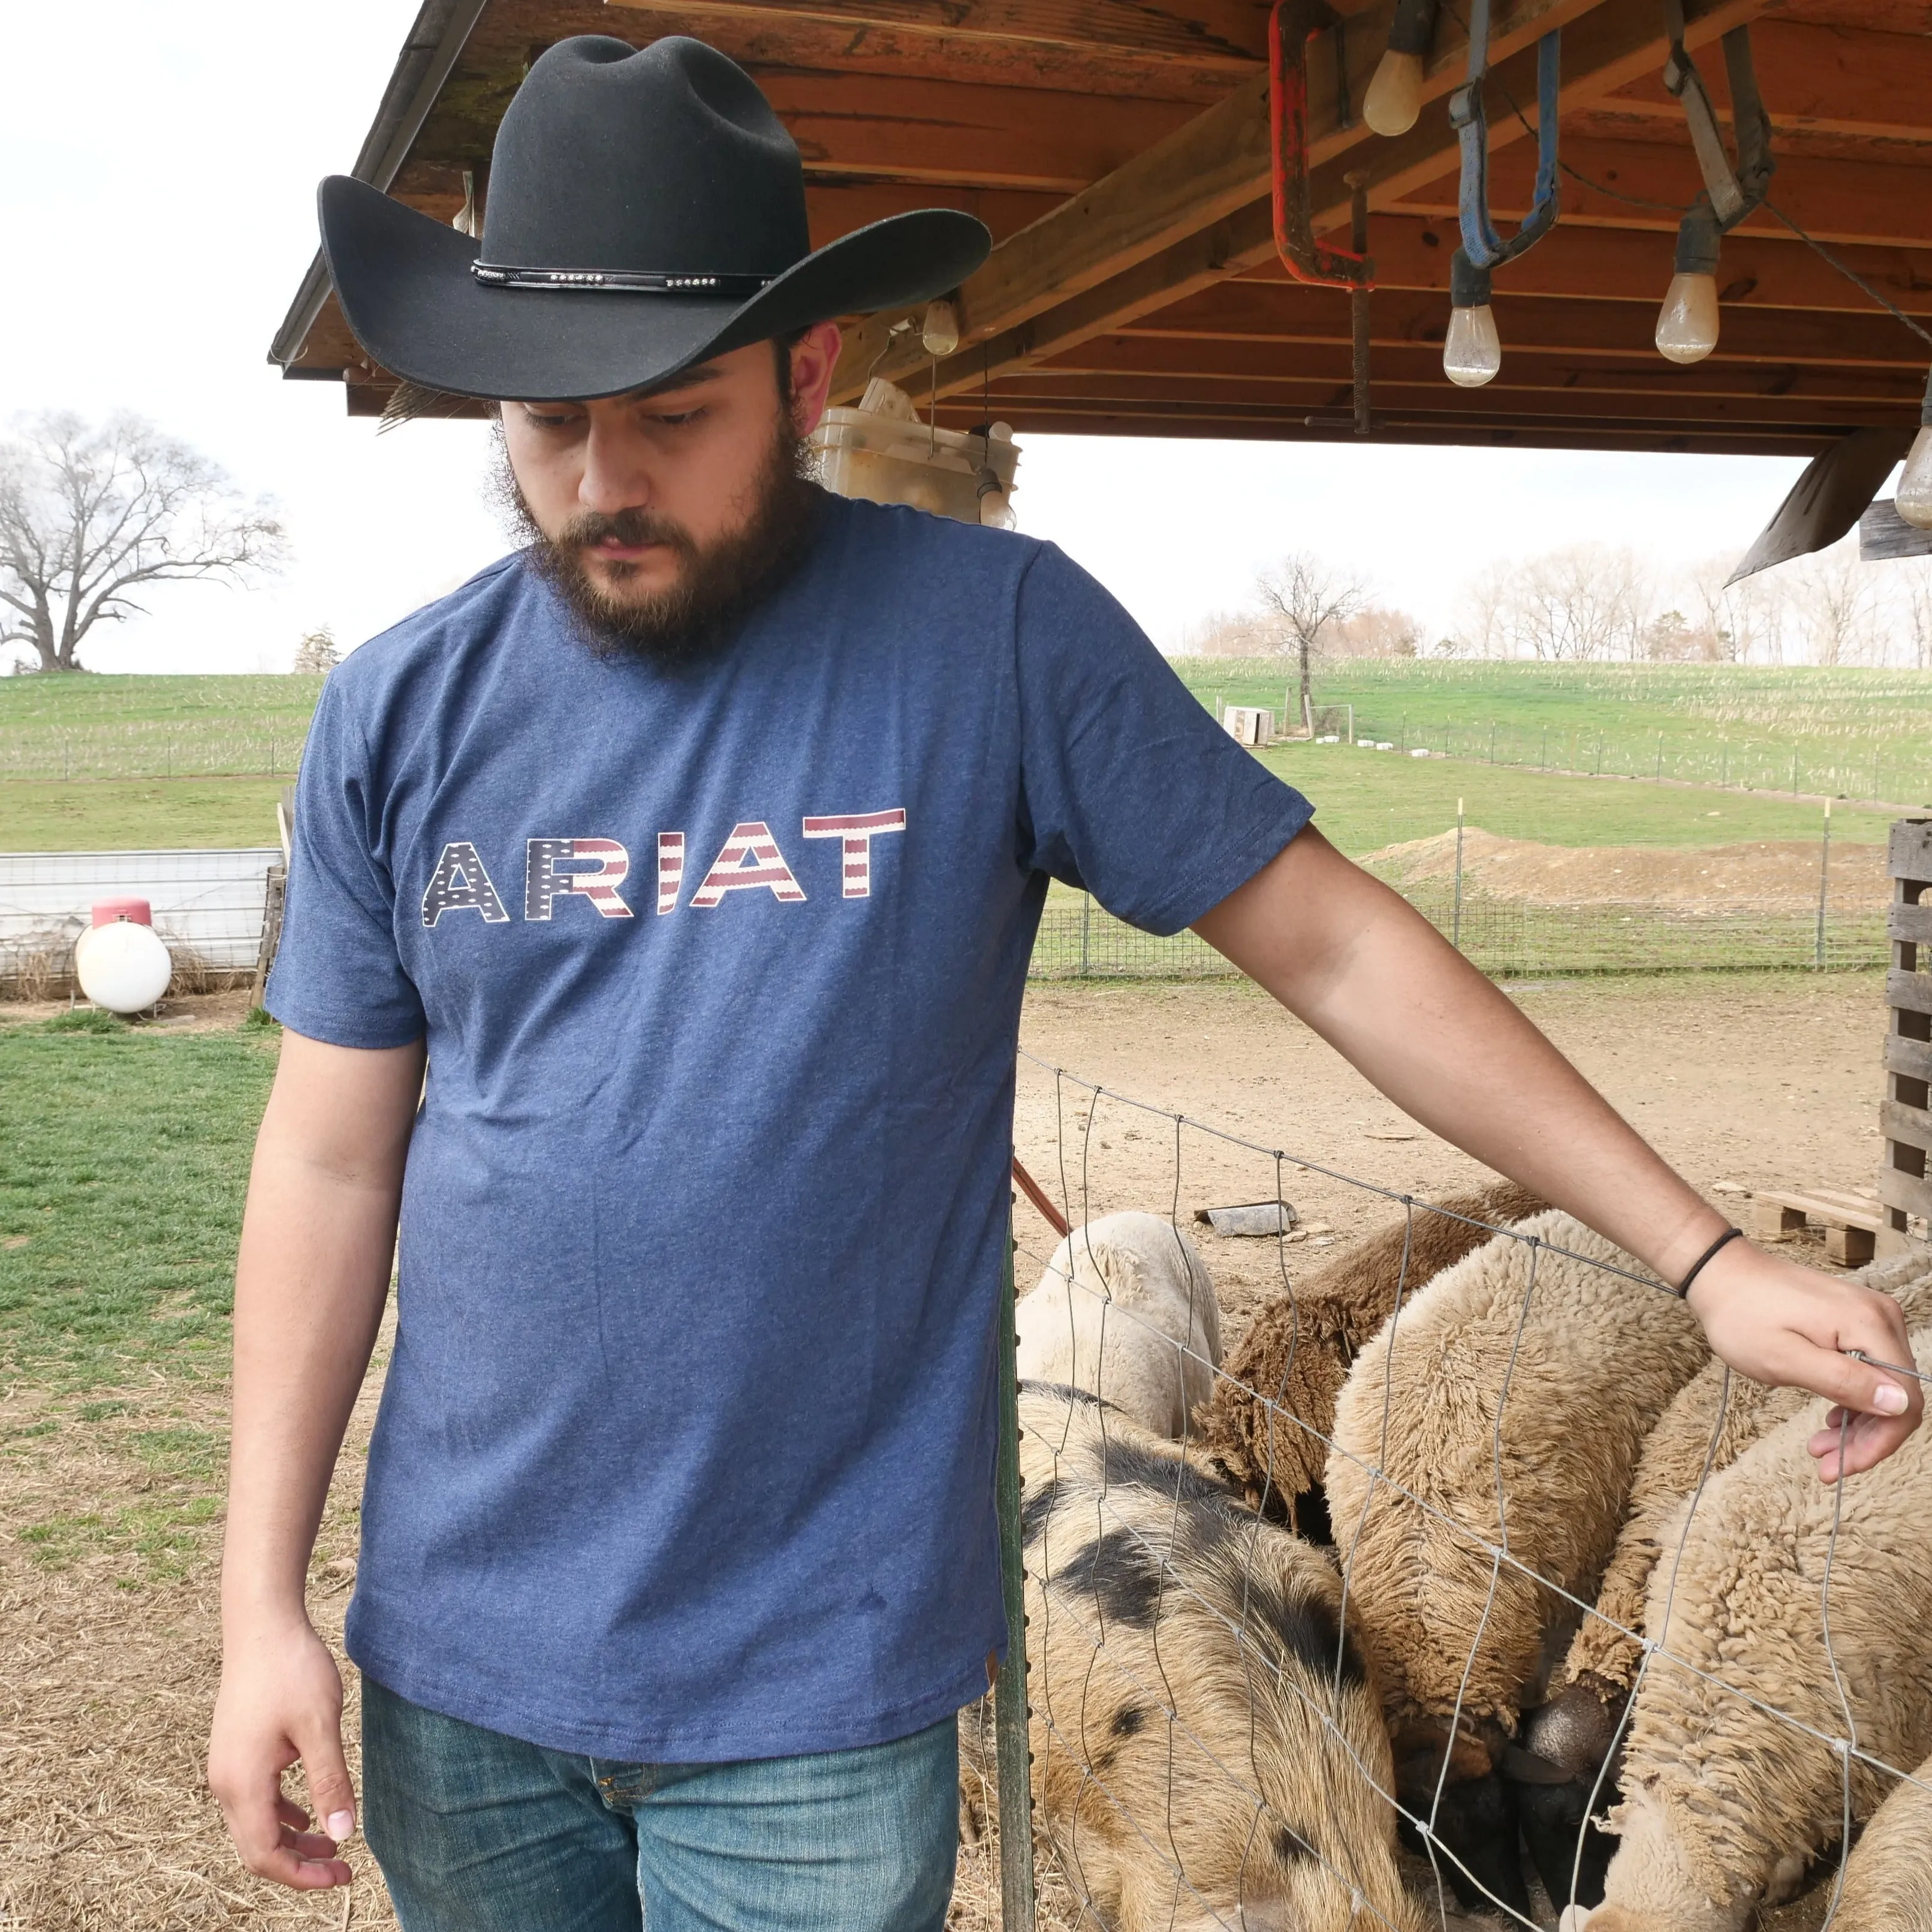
column 814, row 357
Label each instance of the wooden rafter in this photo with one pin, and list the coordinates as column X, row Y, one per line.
column 1192, row 201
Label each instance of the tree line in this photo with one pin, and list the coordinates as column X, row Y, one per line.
column 1596, row 603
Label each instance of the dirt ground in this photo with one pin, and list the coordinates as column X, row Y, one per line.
column 1768, row 874
column 109, row 1649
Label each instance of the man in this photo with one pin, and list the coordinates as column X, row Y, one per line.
column 700, row 847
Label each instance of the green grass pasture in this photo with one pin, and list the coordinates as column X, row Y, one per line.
column 121, row 1196
column 85, row 725
column 135, row 814
column 1843, row 733
column 1367, row 799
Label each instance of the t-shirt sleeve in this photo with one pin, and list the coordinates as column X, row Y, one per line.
column 338, row 975
column 1131, row 790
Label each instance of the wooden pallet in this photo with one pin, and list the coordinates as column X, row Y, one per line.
column 1851, row 1222
column 1904, row 1117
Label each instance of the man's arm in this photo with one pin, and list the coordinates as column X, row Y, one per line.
column 1375, row 979
column 316, row 1240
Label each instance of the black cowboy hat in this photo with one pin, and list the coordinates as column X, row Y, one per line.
column 646, row 211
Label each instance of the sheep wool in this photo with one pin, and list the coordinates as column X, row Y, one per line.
column 1726, row 1801
column 1291, row 1363
column 1599, row 1357
column 1889, row 1882
column 1591, row 1358
column 1669, row 1469
column 1207, row 1744
column 1125, row 1310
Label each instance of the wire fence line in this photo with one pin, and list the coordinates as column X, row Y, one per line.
column 1880, row 772
column 1088, row 1636
column 160, row 748
column 1510, row 939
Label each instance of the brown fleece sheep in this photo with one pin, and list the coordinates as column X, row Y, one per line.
column 1150, row 1591
column 1889, row 1882
column 1726, row 1800
column 1592, row 1359
column 1569, row 1736
column 1298, row 1350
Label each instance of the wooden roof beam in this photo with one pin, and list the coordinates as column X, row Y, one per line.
column 1773, row 270
column 1611, row 372
column 1227, row 35
column 1289, row 423
column 1215, row 164
column 1186, row 214
column 1816, row 79
column 1024, row 388
column 1863, row 202
column 1285, row 312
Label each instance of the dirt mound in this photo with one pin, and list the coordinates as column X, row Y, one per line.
column 1779, row 873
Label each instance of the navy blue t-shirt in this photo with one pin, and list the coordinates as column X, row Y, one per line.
column 686, row 1450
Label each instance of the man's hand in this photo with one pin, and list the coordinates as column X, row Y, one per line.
column 1779, row 1323
column 281, row 1704
column 313, row 1272
column 1376, row 981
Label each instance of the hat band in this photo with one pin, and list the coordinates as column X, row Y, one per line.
column 642, row 281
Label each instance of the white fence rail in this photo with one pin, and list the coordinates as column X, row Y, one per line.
column 211, row 903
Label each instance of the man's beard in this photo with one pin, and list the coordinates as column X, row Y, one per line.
column 718, row 583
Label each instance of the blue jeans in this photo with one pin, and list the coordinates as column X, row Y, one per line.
column 478, row 1832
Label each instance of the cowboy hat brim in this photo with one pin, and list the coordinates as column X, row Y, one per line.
column 404, row 282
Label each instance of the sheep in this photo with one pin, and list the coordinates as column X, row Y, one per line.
column 1726, row 1801
column 1888, row 1879
column 1125, row 1311
column 1592, row 1357
column 1296, row 1353
column 1567, row 1739
column 1208, row 1746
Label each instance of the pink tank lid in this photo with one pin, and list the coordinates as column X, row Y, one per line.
column 136, row 911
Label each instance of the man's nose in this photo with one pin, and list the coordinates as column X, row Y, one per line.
column 615, row 474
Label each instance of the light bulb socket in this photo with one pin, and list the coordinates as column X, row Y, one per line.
column 1413, row 28
column 1699, row 239
column 1925, row 407
column 1468, row 285
column 988, row 482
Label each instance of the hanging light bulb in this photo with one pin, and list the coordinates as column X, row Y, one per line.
column 1472, row 352
column 1914, row 500
column 1394, row 98
column 996, row 509
column 939, row 331
column 1687, row 324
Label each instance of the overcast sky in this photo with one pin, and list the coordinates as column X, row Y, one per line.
column 158, row 168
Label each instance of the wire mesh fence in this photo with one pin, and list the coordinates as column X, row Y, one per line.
column 1466, row 1551
column 160, row 749
column 1511, row 938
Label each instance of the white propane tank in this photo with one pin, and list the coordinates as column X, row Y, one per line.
column 120, row 960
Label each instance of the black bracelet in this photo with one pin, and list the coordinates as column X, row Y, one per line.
column 1730, row 1234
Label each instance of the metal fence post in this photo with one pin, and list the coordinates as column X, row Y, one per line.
column 1086, row 928
column 1824, row 886
column 1456, row 918
column 1009, row 1689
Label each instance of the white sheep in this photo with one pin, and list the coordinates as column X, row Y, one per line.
column 1727, row 1799
column 1888, row 1881
column 1561, row 1776
column 1591, row 1358
column 1125, row 1311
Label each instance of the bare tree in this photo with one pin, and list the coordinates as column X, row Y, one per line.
column 1375, row 632
column 1917, row 614
column 1305, row 596
column 1585, row 602
column 89, row 515
column 1832, row 594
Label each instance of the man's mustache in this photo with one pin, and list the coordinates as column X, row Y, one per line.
column 631, row 528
